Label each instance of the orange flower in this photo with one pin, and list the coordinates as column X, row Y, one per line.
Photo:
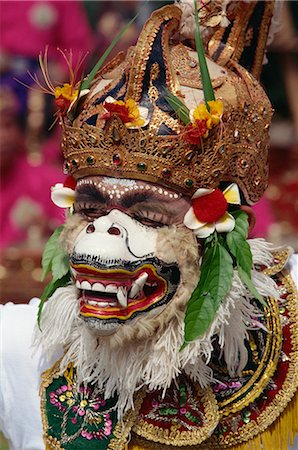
column 212, row 117
column 132, row 115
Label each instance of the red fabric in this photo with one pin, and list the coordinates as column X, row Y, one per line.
column 24, row 182
column 211, row 207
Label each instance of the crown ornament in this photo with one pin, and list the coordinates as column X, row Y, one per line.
column 236, row 151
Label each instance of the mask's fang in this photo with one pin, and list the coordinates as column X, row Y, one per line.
column 122, row 296
column 138, row 285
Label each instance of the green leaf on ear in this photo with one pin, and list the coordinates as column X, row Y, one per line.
column 60, row 265
column 50, row 252
column 237, row 243
column 214, row 284
column 49, row 290
column 54, row 260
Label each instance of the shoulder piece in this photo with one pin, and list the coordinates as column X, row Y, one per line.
column 258, row 406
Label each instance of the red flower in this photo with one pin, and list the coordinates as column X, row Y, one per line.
column 195, row 131
column 63, row 104
column 121, row 111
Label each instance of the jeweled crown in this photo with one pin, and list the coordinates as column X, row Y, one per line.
column 235, row 150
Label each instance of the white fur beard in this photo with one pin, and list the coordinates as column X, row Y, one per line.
column 126, row 365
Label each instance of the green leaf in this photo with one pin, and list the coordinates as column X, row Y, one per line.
column 250, row 286
column 241, row 222
column 60, row 265
column 178, row 106
column 237, row 243
column 49, row 290
column 214, row 284
column 206, row 81
column 86, row 83
column 50, row 251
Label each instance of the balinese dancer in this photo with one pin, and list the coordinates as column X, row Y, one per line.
column 165, row 326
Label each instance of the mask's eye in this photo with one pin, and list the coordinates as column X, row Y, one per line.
column 151, row 219
column 90, row 211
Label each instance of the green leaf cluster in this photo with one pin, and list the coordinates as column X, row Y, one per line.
column 240, row 249
column 214, row 284
column 178, row 106
column 56, row 261
column 222, row 253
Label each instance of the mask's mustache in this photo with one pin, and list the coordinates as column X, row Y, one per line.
column 100, row 263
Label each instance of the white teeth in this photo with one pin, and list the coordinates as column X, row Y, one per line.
column 111, row 288
column 122, row 296
column 85, row 285
column 138, row 285
column 98, row 287
column 100, row 304
column 78, row 284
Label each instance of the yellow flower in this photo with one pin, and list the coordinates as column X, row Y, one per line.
column 134, row 113
column 216, row 110
column 66, row 91
column 211, row 117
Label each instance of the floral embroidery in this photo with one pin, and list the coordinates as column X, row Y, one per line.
column 82, row 411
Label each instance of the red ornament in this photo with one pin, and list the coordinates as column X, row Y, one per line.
column 194, row 132
column 63, row 104
column 121, row 111
column 210, row 207
column 70, row 182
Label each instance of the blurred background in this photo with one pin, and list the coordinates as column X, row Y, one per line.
column 30, row 151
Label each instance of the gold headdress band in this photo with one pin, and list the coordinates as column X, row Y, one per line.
column 236, row 150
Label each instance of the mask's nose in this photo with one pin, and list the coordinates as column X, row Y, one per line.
column 116, row 236
column 113, row 229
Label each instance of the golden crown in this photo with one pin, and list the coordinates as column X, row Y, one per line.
column 236, row 150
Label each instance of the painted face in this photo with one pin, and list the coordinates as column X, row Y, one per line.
column 114, row 263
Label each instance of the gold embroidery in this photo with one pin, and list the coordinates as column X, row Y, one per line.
column 280, row 260
column 289, row 387
column 180, row 438
column 266, row 368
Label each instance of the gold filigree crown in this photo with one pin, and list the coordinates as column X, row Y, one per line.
column 235, row 150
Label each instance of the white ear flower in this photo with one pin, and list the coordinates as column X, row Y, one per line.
column 209, row 211
column 63, row 194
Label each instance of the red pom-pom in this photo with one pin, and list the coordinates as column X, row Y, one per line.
column 70, row 182
column 210, row 207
